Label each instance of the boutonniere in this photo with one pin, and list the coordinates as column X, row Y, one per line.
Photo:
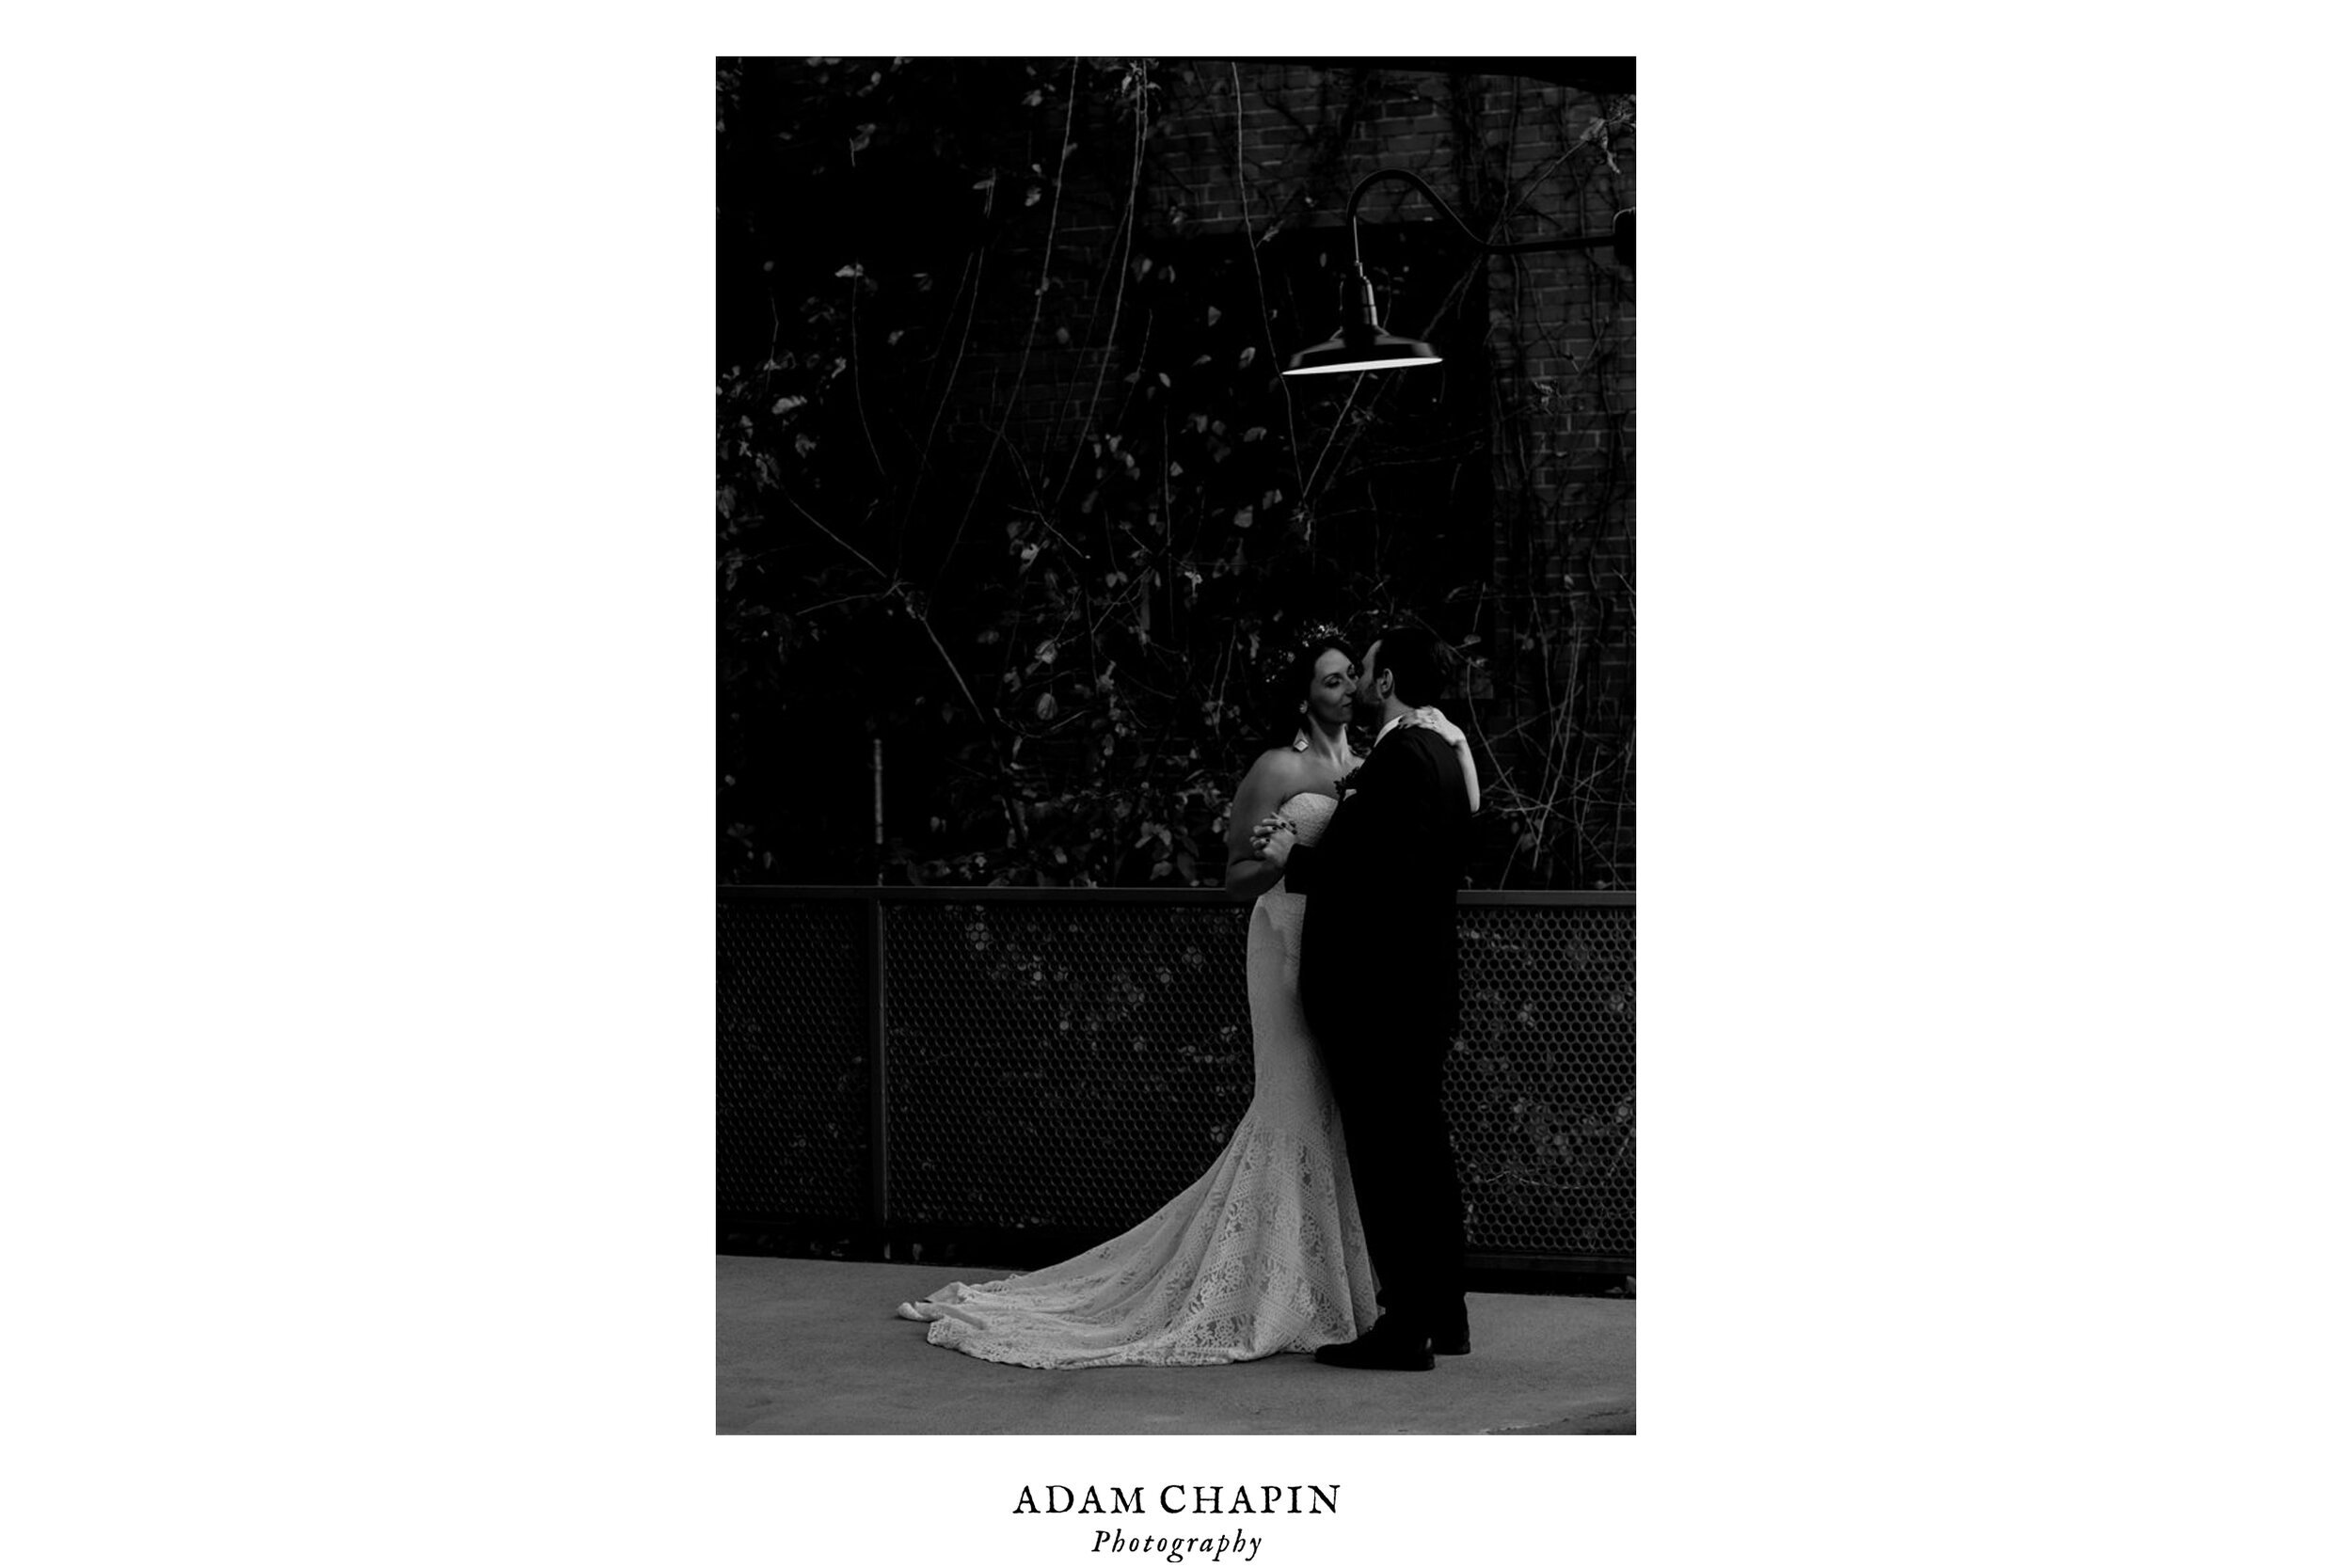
column 1346, row 786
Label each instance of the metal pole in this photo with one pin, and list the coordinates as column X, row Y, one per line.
column 877, row 1069
column 878, row 812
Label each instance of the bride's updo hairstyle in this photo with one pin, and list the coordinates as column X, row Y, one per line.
column 1286, row 674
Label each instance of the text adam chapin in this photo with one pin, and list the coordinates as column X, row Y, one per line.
column 1179, row 1497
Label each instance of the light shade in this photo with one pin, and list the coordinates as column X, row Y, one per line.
column 1361, row 343
column 1365, row 351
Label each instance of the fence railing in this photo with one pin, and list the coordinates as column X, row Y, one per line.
column 912, row 1062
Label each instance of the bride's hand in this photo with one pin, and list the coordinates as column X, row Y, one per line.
column 1435, row 719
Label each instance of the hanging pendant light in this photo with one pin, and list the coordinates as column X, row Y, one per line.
column 1363, row 343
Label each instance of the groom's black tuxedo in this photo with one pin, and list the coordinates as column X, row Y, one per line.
column 1378, row 977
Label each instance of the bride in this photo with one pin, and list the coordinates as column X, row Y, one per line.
column 1265, row 1252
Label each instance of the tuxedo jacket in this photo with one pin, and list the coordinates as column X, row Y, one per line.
column 1380, row 886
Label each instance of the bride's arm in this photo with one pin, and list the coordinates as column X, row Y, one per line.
column 1432, row 719
column 1261, row 789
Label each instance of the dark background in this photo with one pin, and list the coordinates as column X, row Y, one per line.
column 1007, row 481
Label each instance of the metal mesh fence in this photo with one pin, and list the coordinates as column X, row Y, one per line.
column 1061, row 1065
column 793, row 1086
column 1539, row 1086
column 1069, row 1062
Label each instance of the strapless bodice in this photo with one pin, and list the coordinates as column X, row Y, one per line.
column 1309, row 814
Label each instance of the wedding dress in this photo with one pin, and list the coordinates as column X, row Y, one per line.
column 1264, row 1254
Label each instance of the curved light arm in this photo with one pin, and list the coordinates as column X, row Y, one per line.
column 1620, row 235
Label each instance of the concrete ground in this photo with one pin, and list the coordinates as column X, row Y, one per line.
column 811, row 1346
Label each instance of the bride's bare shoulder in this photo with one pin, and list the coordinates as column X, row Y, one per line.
column 1279, row 769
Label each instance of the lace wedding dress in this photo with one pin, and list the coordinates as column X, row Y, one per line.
column 1264, row 1254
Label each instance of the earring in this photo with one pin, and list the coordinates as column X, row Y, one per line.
column 1299, row 742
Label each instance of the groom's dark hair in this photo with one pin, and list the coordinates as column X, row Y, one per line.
column 1409, row 654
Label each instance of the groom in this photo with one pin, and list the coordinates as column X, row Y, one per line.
column 1378, row 977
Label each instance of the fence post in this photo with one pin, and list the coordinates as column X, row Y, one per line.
column 877, row 1067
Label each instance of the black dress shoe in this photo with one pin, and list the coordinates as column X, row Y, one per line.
column 1389, row 1352
column 1451, row 1342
